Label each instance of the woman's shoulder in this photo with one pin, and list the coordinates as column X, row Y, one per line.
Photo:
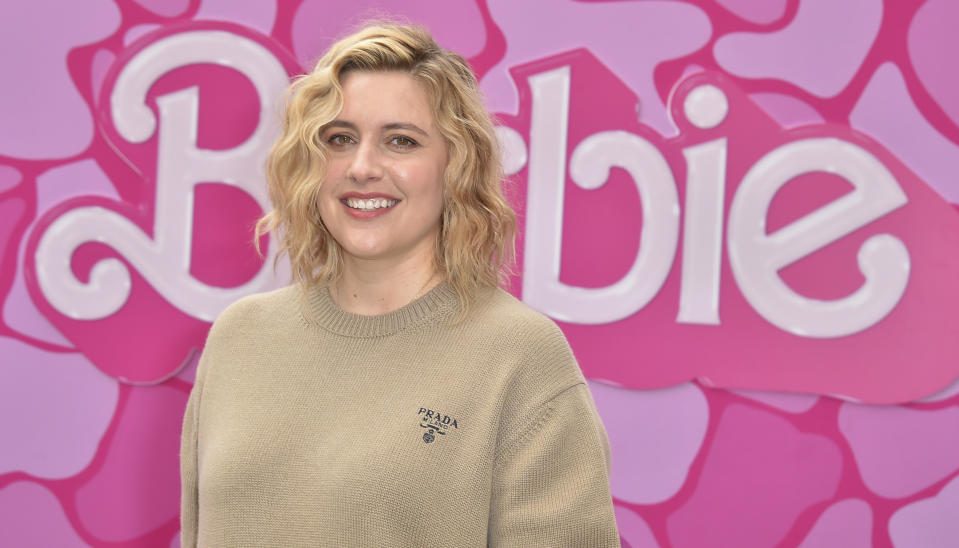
column 538, row 362
column 257, row 310
column 527, row 338
column 513, row 319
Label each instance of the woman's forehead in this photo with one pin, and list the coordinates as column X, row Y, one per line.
column 388, row 97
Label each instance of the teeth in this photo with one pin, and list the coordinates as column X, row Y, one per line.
column 371, row 204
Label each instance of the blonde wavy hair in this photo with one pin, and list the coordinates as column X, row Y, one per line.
column 475, row 246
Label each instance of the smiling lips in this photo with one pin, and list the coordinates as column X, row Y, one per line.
column 367, row 206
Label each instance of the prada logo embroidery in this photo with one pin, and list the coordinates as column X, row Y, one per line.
column 435, row 423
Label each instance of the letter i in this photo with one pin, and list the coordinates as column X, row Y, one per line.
column 705, row 107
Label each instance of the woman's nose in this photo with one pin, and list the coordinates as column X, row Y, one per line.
column 367, row 164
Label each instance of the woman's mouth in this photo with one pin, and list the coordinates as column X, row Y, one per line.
column 370, row 204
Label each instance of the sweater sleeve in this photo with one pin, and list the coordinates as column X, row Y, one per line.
column 551, row 482
column 235, row 322
column 188, row 466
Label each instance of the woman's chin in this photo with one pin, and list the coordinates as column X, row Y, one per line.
column 365, row 254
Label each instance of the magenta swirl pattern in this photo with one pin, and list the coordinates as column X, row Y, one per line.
column 755, row 265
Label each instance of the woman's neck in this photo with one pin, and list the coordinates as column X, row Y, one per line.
column 371, row 288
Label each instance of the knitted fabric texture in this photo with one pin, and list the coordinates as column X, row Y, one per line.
column 310, row 426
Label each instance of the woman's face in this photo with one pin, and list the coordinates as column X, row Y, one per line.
column 382, row 197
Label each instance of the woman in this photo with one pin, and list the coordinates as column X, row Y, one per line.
column 395, row 396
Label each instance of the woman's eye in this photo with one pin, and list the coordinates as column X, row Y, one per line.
column 403, row 142
column 340, row 140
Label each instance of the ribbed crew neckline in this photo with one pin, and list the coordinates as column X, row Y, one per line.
column 321, row 310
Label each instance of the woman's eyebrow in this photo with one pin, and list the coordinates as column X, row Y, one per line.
column 341, row 124
column 407, row 126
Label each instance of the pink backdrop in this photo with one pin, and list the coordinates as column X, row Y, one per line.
column 741, row 212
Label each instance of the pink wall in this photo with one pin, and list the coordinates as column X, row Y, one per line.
column 759, row 230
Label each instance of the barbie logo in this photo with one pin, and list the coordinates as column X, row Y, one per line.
column 755, row 256
column 807, row 243
column 133, row 263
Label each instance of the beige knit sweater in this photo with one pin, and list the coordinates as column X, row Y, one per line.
column 310, row 426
